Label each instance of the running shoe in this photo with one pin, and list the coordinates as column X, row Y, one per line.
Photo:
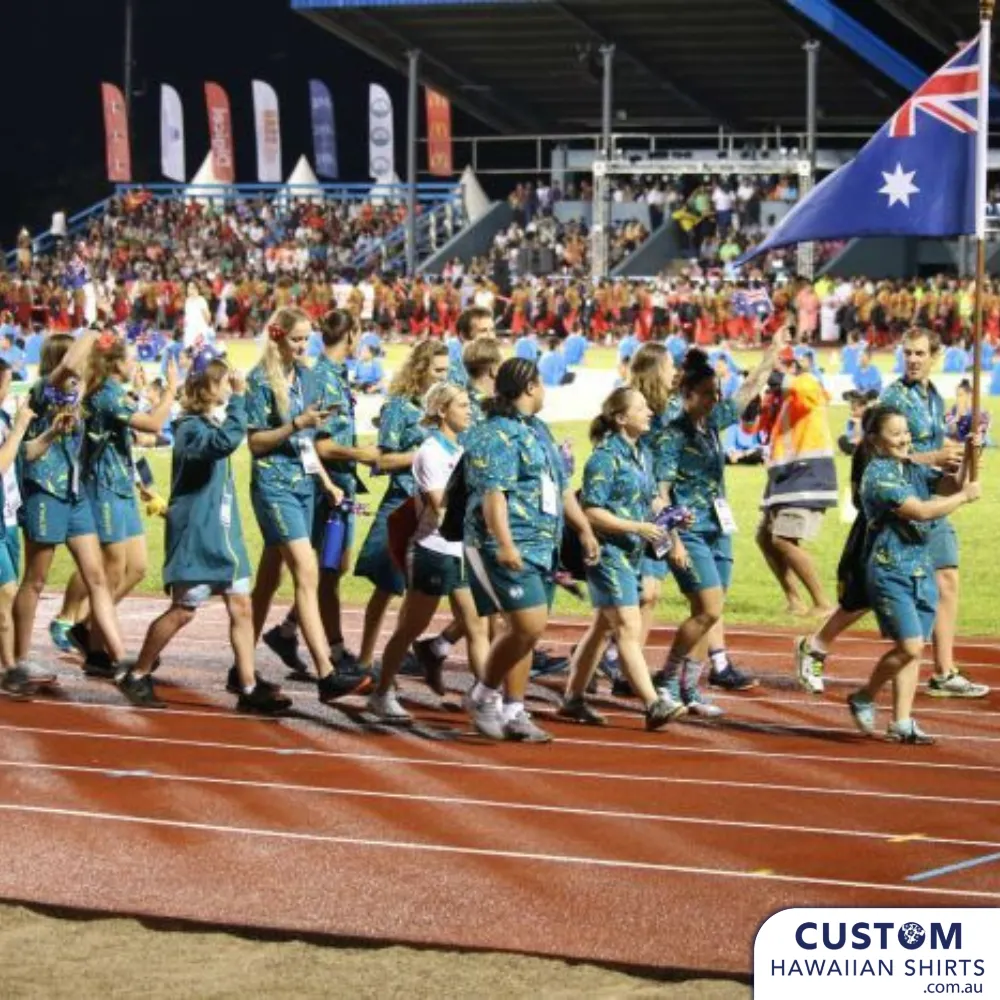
column 908, row 732
column 621, row 688
column 487, row 717
column 79, row 637
column 543, row 664
column 662, row 711
column 609, row 664
column 692, row 697
column 809, row 666
column 99, row 666
column 140, row 691
column 863, row 711
column 386, row 708
column 577, row 710
column 431, row 664
column 286, row 648
column 336, row 685
column 233, row 685
column 955, row 685
column 410, row 666
column 264, row 699
column 28, row 678
column 731, row 678
column 59, row 633
column 522, row 729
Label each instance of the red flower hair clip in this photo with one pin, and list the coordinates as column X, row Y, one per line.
column 106, row 341
column 276, row 333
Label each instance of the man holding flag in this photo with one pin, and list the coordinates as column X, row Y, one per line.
column 922, row 174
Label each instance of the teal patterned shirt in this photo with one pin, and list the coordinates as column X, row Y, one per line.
column 399, row 432
column 457, row 374
column 516, row 456
column 53, row 472
column 107, row 414
column 333, row 393
column 692, row 463
column 280, row 469
column 897, row 545
column 619, row 479
column 923, row 408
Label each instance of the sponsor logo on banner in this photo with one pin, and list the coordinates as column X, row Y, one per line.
column 439, row 148
column 220, row 130
column 172, row 153
column 268, row 127
column 877, row 954
column 323, row 129
column 381, row 143
column 117, row 148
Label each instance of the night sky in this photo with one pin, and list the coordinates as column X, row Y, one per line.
column 57, row 52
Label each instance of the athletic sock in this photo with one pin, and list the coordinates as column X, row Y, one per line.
column 512, row 709
column 441, row 647
column 611, row 653
column 817, row 647
column 250, row 689
column 719, row 659
column 481, row 693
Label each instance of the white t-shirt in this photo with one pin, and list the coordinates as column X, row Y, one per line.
column 722, row 200
column 11, row 490
column 197, row 320
column 433, row 465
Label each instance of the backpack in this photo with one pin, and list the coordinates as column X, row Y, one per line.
column 456, row 499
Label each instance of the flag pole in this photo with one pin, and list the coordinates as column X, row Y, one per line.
column 982, row 159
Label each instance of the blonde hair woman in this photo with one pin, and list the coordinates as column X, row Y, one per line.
column 435, row 567
column 282, row 418
column 400, row 433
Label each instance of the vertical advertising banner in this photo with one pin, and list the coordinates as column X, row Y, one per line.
column 381, row 148
column 172, row 156
column 220, row 131
column 324, row 130
column 117, row 150
column 439, row 147
column 268, row 128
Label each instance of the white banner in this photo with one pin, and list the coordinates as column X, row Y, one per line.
column 381, row 148
column 172, row 158
column 867, row 953
column 268, row 127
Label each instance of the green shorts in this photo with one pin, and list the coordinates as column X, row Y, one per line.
column 616, row 581
column 711, row 554
column 436, row 574
column 374, row 562
column 496, row 589
column 10, row 554
column 943, row 545
column 654, row 568
column 283, row 517
column 117, row 518
column 49, row 520
column 904, row 605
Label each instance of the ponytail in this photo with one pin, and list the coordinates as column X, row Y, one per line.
column 606, row 422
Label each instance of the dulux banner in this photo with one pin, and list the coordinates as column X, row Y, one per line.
column 868, row 953
column 381, row 146
column 324, row 130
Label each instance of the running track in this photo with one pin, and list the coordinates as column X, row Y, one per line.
column 662, row 851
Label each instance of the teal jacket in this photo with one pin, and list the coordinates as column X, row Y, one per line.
column 107, row 415
column 200, row 548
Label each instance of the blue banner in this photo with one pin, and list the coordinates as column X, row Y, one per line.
column 324, row 130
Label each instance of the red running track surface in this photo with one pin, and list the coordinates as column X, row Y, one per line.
column 612, row 845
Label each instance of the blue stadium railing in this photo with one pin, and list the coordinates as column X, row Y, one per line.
column 440, row 203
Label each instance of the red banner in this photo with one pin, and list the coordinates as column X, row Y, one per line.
column 117, row 150
column 439, row 161
column 220, row 131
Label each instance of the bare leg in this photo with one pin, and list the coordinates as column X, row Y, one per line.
column 650, row 597
column 75, row 606
column 7, row 594
column 586, row 656
column 778, row 564
column 415, row 614
column 37, row 561
column 375, row 611
column 946, row 621
column 800, row 562
column 86, row 552
column 158, row 637
column 475, row 629
column 241, row 636
column 300, row 558
column 264, row 587
column 513, row 648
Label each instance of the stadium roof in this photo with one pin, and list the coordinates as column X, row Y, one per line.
column 535, row 65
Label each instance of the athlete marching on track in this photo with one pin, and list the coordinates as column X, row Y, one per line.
column 902, row 501
column 205, row 553
column 518, row 498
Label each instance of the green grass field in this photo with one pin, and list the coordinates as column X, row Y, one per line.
column 755, row 597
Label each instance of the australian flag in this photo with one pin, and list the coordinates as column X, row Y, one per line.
column 915, row 177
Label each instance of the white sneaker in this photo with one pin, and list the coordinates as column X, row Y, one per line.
column 487, row 717
column 386, row 708
column 522, row 729
column 809, row 666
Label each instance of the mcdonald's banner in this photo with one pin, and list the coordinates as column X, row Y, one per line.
column 117, row 150
column 220, row 130
column 268, row 127
column 439, row 149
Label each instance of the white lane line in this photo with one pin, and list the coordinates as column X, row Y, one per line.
column 479, row 852
column 516, row 769
column 663, row 747
column 450, row 800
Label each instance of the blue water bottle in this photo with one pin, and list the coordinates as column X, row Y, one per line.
column 333, row 541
